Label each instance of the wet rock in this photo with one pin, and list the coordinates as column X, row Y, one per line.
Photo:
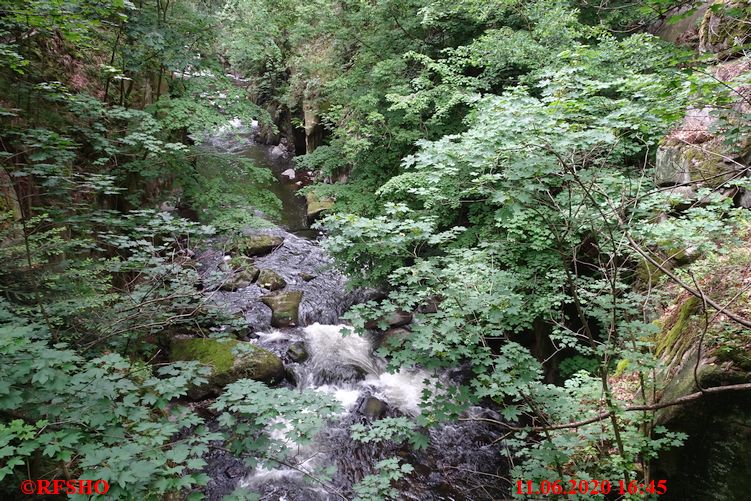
column 291, row 376
column 346, row 373
column 395, row 337
column 373, row 408
column 229, row 361
column 317, row 206
column 224, row 265
column 297, row 352
column 269, row 279
column 394, row 319
column 256, row 245
column 284, row 308
column 307, row 276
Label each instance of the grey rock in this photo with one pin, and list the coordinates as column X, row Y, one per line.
column 671, row 167
column 297, row 352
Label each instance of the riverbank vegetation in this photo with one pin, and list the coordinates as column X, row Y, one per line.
column 555, row 192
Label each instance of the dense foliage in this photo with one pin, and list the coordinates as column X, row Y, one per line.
column 497, row 166
column 499, row 163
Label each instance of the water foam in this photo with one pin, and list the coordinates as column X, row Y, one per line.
column 337, row 345
column 402, row 389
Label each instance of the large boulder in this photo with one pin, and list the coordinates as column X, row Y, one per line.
column 271, row 280
column 694, row 153
column 256, row 245
column 317, row 206
column 681, row 25
column 313, row 127
column 229, row 361
column 705, row 164
column 696, row 356
column 285, row 308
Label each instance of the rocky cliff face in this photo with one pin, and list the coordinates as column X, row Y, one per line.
column 704, row 150
column 703, row 349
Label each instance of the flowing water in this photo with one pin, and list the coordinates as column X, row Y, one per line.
column 464, row 460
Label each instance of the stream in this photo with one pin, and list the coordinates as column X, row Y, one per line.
column 463, row 460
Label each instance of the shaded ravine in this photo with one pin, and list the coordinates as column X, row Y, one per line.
column 239, row 140
column 463, row 460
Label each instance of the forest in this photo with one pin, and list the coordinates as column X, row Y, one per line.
column 371, row 250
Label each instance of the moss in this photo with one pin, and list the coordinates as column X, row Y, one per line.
column 676, row 339
column 256, row 245
column 722, row 28
column 705, row 167
column 737, row 355
column 621, row 367
column 230, row 360
column 317, row 205
column 240, row 262
column 647, row 273
column 217, row 354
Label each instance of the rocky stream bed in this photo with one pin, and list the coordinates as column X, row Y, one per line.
column 282, row 282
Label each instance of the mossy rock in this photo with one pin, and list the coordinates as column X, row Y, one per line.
column 317, row 206
column 269, row 279
column 297, row 352
column 240, row 279
column 700, row 165
column 716, row 457
column 285, row 308
column 706, row 166
column 256, row 245
column 723, row 30
column 647, row 273
column 229, row 360
column 676, row 337
column 738, row 356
